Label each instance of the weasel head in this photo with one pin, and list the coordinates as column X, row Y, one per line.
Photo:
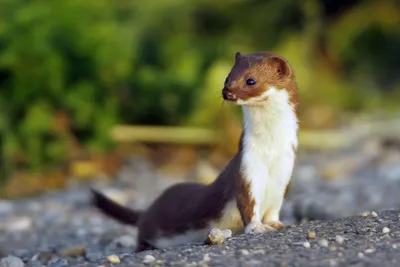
column 256, row 77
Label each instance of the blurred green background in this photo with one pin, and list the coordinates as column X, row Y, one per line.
column 70, row 70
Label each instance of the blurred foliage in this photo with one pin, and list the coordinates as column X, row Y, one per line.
column 71, row 69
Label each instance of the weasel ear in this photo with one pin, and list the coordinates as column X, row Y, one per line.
column 280, row 67
column 238, row 55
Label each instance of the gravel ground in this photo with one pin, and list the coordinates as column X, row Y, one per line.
column 87, row 239
column 327, row 228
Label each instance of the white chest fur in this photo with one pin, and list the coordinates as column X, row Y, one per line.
column 270, row 134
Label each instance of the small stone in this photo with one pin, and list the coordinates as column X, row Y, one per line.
column 11, row 261
column 148, row 259
column 306, row 244
column 96, row 230
column 245, row 252
column 94, row 256
column 125, row 241
column 360, row 255
column 72, row 251
column 215, row 237
column 333, row 248
column 339, row 239
column 32, row 263
column 385, row 230
column 43, row 256
column 374, row 214
column 365, row 214
column 113, row 259
column 17, row 224
column 159, row 262
column 332, row 262
column 394, row 246
column 369, row 251
column 56, row 262
column 323, row 243
column 311, row 235
column 206, row 258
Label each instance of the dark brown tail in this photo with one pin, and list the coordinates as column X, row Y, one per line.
column 115, row 210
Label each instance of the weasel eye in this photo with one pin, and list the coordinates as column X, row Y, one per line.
column 250, row 82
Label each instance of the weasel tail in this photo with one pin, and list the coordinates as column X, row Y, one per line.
column 115, row 210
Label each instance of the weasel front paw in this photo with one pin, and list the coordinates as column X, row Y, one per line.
column 276, row 225
column 257, row 228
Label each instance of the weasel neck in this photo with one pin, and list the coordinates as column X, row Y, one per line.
column 271, row 124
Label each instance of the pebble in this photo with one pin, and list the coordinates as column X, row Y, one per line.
column 374, row 214
column 17, row 224
column 306, row 244
column 215, row 237
column 126, row 241
column 113, row 259
column 94, row 256
column 360, row 255
column 385, row 230
column 96, row 230
column 339, row 239
column 245, row 252
column 11, row 261
column 58, row 262
column 369, row 251
column 323, row 243
column 365, row 214
column 72, row 251
column 148, row 259
column 312, row 235
column 206, row 258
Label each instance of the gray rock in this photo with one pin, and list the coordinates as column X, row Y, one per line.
column 94, row 256
column 72, row 251
column 56, row 262
column 16, row 224
column 34, row 263
column 126, row 241
column 11, row 261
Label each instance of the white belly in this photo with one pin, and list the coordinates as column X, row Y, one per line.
column 268, row 176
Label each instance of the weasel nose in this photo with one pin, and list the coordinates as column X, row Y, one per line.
column 228, row 95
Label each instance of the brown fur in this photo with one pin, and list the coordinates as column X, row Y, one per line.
column 268, row 70
column 245, row 201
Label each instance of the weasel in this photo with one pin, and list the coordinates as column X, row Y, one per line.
column 247, row 195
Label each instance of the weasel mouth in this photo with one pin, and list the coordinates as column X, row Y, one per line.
column 229, row 96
